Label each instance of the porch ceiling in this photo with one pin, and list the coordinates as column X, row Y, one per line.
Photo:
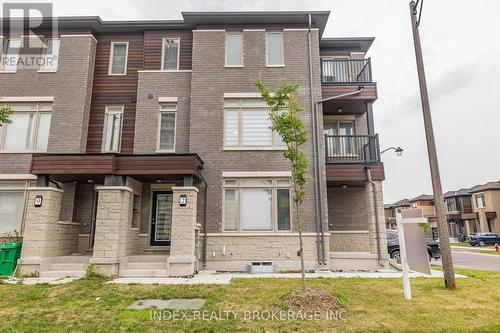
column 145, row 167
column 348, row 107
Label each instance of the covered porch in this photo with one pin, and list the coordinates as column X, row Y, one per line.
column 127, row 215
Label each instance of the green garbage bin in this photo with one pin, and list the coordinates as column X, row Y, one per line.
column 9, row 254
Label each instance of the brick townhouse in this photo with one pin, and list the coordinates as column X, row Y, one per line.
column 144, row 148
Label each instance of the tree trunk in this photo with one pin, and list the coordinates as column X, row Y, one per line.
column 301, row 247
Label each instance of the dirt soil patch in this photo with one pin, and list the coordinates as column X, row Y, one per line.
column 312, row 300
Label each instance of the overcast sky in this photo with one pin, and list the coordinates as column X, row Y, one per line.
column 462, row 55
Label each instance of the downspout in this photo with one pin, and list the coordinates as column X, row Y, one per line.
column 375, row 208
column 320, row 246
column 204, row 250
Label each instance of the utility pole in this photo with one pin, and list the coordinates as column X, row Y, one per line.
column 444, row 241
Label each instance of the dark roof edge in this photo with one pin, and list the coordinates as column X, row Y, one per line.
column 361, row 44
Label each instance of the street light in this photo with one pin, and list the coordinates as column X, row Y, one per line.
column 398, row 150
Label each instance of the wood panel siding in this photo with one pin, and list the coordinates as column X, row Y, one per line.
column 352, row 174
column 153, row 41
column 369, row 92
column 115, row 90
column 116, row 164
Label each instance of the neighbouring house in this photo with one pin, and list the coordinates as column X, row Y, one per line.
column 392, row 209
column 486, row 204
column 144, row 147
column 462, row 220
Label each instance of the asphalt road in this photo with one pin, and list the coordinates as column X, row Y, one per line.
column 471, row 260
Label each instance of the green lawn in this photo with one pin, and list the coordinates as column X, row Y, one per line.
column 489, row 252
column 460, row 244
column 90, row 305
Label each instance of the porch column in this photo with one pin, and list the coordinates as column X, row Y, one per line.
column 467, row 227
column 113, row 231
column 182, row 259
column 45, row 236
column 370, row 206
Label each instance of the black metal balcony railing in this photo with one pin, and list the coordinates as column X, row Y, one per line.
column 346, row 71
column 352, row 148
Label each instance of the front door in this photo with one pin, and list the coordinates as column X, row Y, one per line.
column 161, row 218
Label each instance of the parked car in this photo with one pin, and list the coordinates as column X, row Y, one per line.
column 483, row 239
column 433, row 250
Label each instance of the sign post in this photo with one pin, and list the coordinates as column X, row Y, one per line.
column 418, row 248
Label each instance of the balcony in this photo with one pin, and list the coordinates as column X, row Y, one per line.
column 339, row 71
column 352, row 149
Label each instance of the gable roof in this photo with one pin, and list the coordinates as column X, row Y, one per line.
column 423, row 197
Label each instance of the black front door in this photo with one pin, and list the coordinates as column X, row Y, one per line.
column 95, row 200
column 161, row 218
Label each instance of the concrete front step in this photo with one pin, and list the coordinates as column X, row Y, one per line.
column 62, row 274
column 149, row 258
column 68, row 267
column 150, row 273
column 145, row 265
column 75, row 259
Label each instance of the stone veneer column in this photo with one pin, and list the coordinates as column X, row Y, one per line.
column 182, row 259
column 371, row 220
column 41, row 228
column 113, row 222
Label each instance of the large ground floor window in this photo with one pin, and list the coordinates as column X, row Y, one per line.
column 257, row 204
column 12, row 198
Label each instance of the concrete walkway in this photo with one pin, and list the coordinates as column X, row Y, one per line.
column 214, row 278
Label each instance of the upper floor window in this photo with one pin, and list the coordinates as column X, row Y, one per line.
column 480, row 202
column 450, row 205
column 10, row 55
column 112, row 133
column 274, row 49
column 166, row 128
column 51, row 55
column 118, row 58
column 234, row 49
column 257, row 204
column 29, row 130
column 247, row 125
column 170, row 54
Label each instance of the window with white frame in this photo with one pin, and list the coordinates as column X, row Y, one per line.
column 29, row 129
column 274, row 48
column 234, row 49
column 257, row 204
column 247, row 125
column 480, row 202
column 10, row 55
column 51, row 54
column 166, row 127
column 12, row 197
column 113, row 119
column 118, row 58
column 170, row 54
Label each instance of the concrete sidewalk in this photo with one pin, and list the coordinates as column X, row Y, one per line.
column 214, row 278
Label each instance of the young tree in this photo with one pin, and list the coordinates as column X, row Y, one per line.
column 4, row 116
column 285, row 120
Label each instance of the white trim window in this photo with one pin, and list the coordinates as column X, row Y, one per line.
column 480, row 201
column 274, row 49
column 166, row 127
column 170, row 55
column 51, row 55
column 247, row 125
column 10, row 55
column 234, row 49
column 257, row 204
column 118, row 58
column 29, row 130
column 112, row 132
column 12, row 199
